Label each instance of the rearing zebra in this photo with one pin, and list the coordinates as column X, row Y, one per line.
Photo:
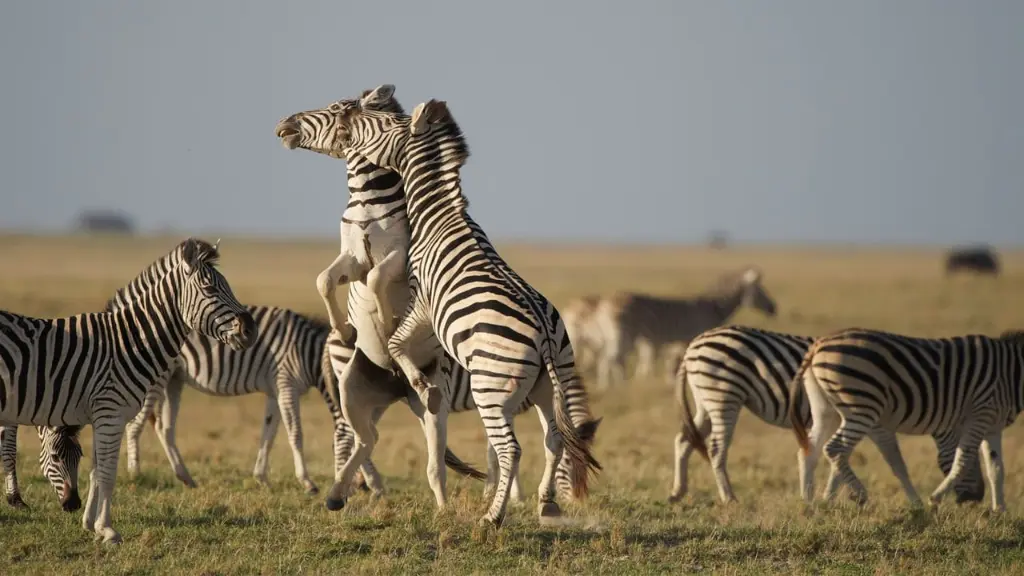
column 733, row 367
column 489, row 320
column 963, row 390
column 377, row 203
column 96, row 368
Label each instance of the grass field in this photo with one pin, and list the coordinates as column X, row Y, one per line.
column 231, row 525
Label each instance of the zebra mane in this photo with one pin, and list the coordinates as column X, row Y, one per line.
column 206, row 253
column 1013, row 334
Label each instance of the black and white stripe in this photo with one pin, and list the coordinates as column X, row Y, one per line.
column 59, row 457
column 732, row 367
column 962, row 390
column 96, row 368
column 508, row 337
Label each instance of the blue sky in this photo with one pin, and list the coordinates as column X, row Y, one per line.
column 643, row 121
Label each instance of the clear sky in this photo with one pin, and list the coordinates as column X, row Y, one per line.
column 644, row 121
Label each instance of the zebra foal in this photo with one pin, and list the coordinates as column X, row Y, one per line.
column 963, row 390
column 489, row 321
column 650, row 322
column 96, row 368
column 732, row 367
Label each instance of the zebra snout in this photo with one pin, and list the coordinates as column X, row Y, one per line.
column 289, row 133
column 71, row 500
column 245, row 330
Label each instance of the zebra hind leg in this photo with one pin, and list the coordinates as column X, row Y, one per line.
column 496, row 414
column 542, row 395
column 683, row 450
column 153, row 402
column 966, row 453
column 9, row 457
column 971, row 487
column 166, row 428
column 271, row 420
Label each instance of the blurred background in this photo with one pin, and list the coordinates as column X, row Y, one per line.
column 868, row 122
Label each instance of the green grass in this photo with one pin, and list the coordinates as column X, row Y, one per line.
column 232, row 525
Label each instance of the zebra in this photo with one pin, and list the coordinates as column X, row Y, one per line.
column 59, row 457
column 732, row 367
column 584, row 331
column 963, row 390
column 649, row 322
column 377, row 196
column 489, row 321
column 96, row 368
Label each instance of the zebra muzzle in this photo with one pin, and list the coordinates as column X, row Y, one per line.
column 289, row 133
column 71, row 500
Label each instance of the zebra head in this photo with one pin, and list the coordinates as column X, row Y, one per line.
column 754, row 293
column 59, row 456
column 207, row 303
column 317, row 130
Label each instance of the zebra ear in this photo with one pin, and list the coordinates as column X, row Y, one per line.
column 190, row 256
column 751, row 276
column 426, row 113
column 378, row 96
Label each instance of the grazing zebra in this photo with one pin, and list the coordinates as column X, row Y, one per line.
column 59, row 457
column 962, row 390
column 283, row 363
column 584, row 331
column 649, row 322
column 377, row 196
column 732, row 367
column 489, row 321
column 96, row 368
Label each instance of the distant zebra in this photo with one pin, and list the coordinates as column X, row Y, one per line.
column 649, row 322
column 487, row 318
column 962, row 390
column 59, row 457
column 584, row 330
column 733, row 367
column 376, row 198
column 96, row 368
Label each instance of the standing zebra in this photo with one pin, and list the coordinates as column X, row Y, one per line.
column 584, row 330
column 59, row 456
column 649, row 322
column 376, row 196
column 732, row 367
column 489, row 321
column 963, row 390
column 96, row 368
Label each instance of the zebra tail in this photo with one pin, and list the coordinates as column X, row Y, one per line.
column 330, row 380
column 796, row 393
column 580, row 459
column 462, row 468
column 690, row 432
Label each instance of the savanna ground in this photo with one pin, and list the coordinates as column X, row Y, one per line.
column 231, row 525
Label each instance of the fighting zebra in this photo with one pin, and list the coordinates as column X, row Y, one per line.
column 962, row 390
column 59, row 456
column 489, row 321
column 377, row 206
column 96, row 368
column 649, row 322
column 732, row 367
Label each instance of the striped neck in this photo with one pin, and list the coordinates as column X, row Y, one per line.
column 151, row 327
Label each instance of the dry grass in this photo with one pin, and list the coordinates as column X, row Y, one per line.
column 230, row 525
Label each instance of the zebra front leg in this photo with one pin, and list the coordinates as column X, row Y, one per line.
column 367, row 477
column 153, row 401
column 9, row 457
column 966, row 452
column 971, row 487
column 166, row 427
column 409, row 331
column 288, row 402
column 889, row 446
column 385, row 273
column 515, row 493
column 992, row 448
column 344, row 269
column 107, row 433
column 271, row 419
column 683, row 451
column 645, row 357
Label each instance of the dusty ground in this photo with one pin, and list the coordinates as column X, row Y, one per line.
column 231, row 525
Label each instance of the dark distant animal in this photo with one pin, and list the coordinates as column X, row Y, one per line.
column 981, row 260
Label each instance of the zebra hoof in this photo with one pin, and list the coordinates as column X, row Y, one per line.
column 15, row 501
column 312, row 490
column 334, row 504
column 549, row 510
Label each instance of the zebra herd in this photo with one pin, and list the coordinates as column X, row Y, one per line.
column 437, row 319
